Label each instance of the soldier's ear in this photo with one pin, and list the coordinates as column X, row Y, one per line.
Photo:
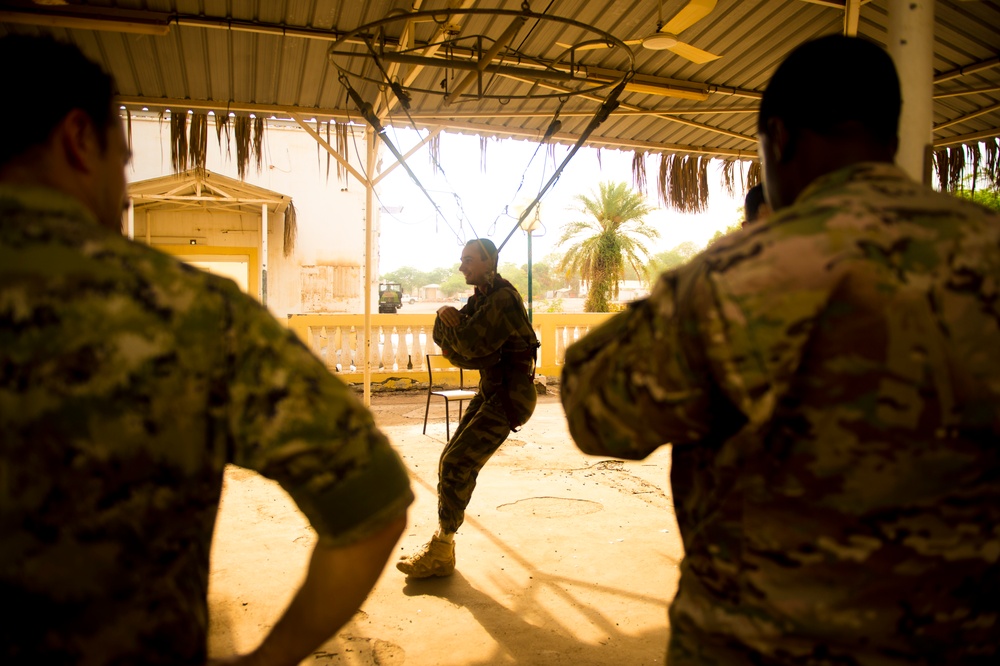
column 77, row 141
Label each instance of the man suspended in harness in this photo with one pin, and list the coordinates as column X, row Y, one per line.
column 492, row 334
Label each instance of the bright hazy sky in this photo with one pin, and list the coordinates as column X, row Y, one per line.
column 417, row 236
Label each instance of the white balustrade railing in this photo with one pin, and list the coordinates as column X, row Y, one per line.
column 401, row 341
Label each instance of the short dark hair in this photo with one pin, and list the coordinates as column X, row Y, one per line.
column 831, row 83
column 753, row 201
column 53, row 78
column 487, row 249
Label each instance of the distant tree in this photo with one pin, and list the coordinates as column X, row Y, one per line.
column 672, row 258
column 439, row 275
column 408, row 277
column 983, row 197
column 607, row 241
column 517, row 276
column 411, row 279
column 453, row 284
column 725, row 232
column 543, row 279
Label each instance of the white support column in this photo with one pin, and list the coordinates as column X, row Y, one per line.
column 911, row 45
column 130, row 227
column 372, row 154
column 263, row 254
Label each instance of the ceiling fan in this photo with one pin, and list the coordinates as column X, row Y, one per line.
column 665, row 37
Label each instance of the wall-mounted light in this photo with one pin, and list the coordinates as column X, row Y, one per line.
column 193, row 241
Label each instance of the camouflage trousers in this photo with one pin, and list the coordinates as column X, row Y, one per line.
column 483, row 428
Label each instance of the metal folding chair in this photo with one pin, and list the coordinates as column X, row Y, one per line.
column 459, row 395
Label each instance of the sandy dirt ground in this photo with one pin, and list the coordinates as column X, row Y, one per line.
column 564, row 558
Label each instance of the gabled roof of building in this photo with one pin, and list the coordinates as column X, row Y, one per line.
column 198, row 189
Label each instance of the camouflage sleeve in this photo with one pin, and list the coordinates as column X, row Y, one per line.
column 482, row 331
column 295, row 423
column 640, row 380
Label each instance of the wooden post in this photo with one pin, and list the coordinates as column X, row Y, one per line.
column 369, row 278
column 263, row 254
column 911, row 45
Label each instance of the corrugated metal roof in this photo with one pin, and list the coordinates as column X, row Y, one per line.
column 269, row 56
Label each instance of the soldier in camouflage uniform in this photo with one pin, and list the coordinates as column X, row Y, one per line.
column 128, row 381
column 755, row 208
column 492, row 334
column 828, row 381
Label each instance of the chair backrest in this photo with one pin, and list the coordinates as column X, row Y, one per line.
column 439, row 362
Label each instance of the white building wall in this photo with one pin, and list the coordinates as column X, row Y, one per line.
column 325, row 272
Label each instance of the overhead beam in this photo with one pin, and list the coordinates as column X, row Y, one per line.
column 579, row 113
column 404, row 43
column 428, row 51
column 970, row 91
column 406, row 156
column 852, row 15
column 287, row 110
column 221, row 106
column 595, row 141
column 293, row 111
column 323, row 142
column 967, row 69
column 836, row 4
column 968, row 116
column 690, row 123
column 483, row 63
column 85, row 18
column 967, row 138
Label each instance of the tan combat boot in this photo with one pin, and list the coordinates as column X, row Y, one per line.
column 436, row 558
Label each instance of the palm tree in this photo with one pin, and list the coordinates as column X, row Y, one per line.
column 607, row 241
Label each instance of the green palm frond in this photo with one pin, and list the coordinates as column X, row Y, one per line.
column 607, row 240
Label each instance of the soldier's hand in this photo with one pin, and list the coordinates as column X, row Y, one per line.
column 449, row 316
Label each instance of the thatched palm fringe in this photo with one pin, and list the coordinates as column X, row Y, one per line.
column 550, row 148
column 639, row 170
column 661, row 179
column 434, row 153
column 178, row 141
column 198, row 141
column 729, row 176
column 342, row 130
column 241, row 134
column 291, row 230
column 258, row 142
column 482, row 154
column 319, row 149
column 940, row 161
column 956, row 167
column 598, row 158
column 753, row 174
column 688, row 183
column 128, row 126
column 222, row 125
column 992, row 167
column 703, row 162
column 975, row 156
column 328, row 156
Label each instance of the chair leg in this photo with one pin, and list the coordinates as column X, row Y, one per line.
column 427, row 411
column 447, row 422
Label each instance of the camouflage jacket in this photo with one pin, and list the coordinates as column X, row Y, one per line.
column 127, row 382
column 494, row 326
column 496, row 338
column 829, row 382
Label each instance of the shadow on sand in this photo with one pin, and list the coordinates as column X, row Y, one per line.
column 549, row 642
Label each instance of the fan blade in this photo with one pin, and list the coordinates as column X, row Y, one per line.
column 597, row 45
column 693, row 11
column 692, row 53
